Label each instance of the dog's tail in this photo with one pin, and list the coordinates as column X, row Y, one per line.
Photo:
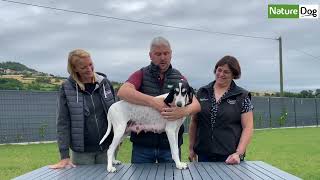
column 108, row 130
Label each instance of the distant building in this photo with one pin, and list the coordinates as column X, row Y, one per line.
column 9, row 71
column 266, row 93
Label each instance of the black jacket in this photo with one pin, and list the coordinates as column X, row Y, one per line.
column 223, row 138
column 74, row 111
column 151, row 86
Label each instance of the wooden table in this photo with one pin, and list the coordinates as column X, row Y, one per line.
column 246, row 170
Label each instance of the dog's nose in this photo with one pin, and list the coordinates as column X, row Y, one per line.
column 179, row 104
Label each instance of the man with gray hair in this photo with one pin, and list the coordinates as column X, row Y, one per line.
column 141, row 88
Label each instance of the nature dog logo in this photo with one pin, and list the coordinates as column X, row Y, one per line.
column 309, row 11
column 293, row 11
column 230, row 101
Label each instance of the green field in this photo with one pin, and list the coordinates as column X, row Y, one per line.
column 295, row 150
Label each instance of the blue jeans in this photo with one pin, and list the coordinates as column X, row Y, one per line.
column 142, row 154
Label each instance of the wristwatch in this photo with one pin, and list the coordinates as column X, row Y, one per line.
column 241, row 156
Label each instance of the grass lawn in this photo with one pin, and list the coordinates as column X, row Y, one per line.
column 296, row 151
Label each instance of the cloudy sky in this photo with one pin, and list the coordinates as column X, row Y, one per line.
column 41, row 38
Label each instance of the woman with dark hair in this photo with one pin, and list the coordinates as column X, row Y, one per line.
column 223, row 128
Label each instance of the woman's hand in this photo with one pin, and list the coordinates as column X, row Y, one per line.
column 62, row 164
column 233, row 159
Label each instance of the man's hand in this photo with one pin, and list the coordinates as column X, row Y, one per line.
column 62, row 164
column 192, row 156
column 158, row 104
column 233, row 159
column 174, row 113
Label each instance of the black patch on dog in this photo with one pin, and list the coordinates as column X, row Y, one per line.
column 185, row 85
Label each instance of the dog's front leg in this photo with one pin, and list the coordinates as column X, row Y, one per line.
column 173, row 141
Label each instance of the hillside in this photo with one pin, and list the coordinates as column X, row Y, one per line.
column 15, row 66
column 17, row 76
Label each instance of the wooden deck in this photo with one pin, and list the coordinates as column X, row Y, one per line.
column 247, row 170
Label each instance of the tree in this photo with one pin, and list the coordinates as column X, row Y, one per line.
column 44, row 80
column 33, row 86
column 317, row 93
column 290, row 94
column 10, row 84
column 306, row 94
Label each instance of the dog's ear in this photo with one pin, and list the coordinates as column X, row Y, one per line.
column 169, row 98
column 190, row 94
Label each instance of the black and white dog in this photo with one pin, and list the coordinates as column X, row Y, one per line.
column 125, row 117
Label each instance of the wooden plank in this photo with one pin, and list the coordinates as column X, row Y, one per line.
column 103, row 173
column 264, row 171
column 58, row 175
column 243, row 175
column 145, row 172
column 78, row 175
column 70, row 174
column 222, row 174
column 194, row 171
column 160, row 172
column 129, row 172
column 211, row 172
column 168, row 174
column 224, row 168
column 203, row 173
column 247, row 167
column 177, row 173
column 98, row 171
column 247, row 172
column 52, row 172
column 279, row 172
column 89, row 172
column 33, row 173
column 137, row 172
column 186, row 174
column 153, row 171
column 119, row 173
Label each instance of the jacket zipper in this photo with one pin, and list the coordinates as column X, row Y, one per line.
column 95, row 116
column 161, row 82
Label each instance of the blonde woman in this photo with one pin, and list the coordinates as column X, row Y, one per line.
column 83, row 102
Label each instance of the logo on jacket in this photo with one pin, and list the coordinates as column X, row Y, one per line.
column 203, row 99
column 230, row 101
column 108, row 92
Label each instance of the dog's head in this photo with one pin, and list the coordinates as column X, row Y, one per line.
column 181, row 94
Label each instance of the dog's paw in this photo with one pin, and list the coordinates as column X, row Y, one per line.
column 116, row 162
column 111, row 169
column 182, row 165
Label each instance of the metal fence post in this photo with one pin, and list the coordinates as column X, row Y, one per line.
column 270, row 118
column 295, row 113
column 317, row 118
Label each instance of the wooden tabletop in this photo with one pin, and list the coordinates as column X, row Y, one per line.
column 246, row 170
